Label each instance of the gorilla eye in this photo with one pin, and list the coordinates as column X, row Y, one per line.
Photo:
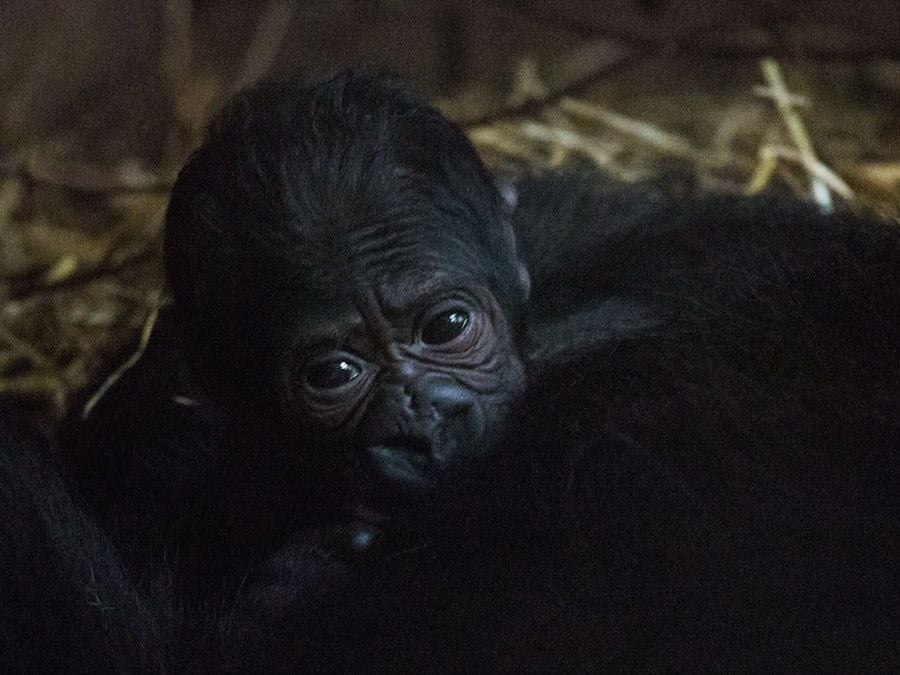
column 445, row 327
column 331, row 374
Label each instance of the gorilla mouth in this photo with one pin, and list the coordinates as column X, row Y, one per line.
column 416, row 446
column 403, row 459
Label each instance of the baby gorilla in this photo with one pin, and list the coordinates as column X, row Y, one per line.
column 331, row 423
column 352, row 292
column 349, row 297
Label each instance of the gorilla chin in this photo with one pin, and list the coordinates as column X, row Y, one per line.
column 403, row 476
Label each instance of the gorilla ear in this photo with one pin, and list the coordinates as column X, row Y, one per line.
column 510, row 196
column 523, row 278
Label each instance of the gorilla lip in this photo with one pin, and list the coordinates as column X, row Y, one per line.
column 402, row 459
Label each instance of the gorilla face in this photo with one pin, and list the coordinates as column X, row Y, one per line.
column 407, row 379
column 359, row 295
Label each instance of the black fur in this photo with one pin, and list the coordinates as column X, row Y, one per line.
column 66, row 601
column 700, row 475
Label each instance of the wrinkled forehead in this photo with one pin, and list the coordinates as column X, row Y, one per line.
column 395, row 269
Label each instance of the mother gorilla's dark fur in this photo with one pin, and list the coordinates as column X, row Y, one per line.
column 329, row 426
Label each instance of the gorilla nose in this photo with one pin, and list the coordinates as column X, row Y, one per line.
column 442, row 397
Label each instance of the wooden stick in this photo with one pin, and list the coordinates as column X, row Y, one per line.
column 785, row 102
